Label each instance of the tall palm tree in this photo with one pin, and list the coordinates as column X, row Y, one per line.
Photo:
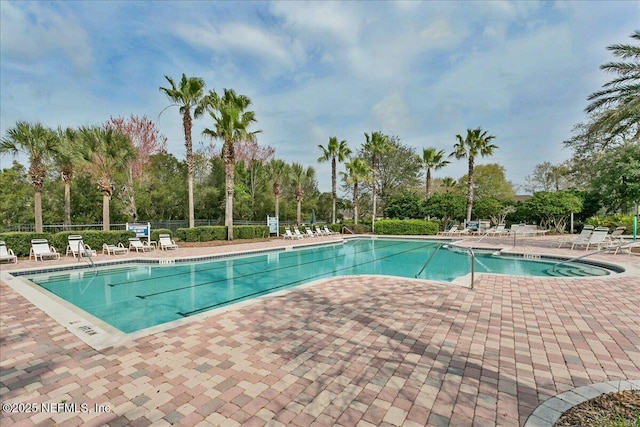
column 67, row 160
column 357, row 171
column 107, row 152
column 376, row 145
column 476, row 143
column 187, row 95
column 278, row 173
column 37, row 142
column 618, row 103
column 449, row 184
column 299, row 178
column 336, row 152
column 432, row 159
column 231, row 122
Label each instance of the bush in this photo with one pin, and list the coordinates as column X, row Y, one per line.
column 406, row 227
column 250, row 231
column 205, row 233
column 612, row 222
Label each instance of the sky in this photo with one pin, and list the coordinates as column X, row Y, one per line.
column 420, row 71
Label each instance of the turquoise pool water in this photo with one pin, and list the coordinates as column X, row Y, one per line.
column 135, row 297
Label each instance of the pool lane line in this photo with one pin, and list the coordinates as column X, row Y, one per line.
column 287, row 254
column 271, row 270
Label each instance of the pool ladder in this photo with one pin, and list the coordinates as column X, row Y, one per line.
column 88, row 254
column 468, row 250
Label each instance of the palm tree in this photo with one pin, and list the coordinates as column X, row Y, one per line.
column 107, row 152
column 278, row 173
column 357, row 171
column 449, row 184
column 38, row 142
column 618, row 103
column 187, row 95
column 335, row 151
column 67, row 159
column 431, row 159
column 299, row 178
column 231, row 125
column 476, row 143
column 376, row 145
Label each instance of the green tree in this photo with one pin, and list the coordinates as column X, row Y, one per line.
column 16, row 196
column 38, row 143
column 300, row 176
column 431, row 159
column 336, row 152
column 489, row 181
column 548, row 177
column 66, row 160
column 550, row 209
column 108, row 153
column 278, row 173
column 405, row 205
column 376, row 145
column 476, row 143
column 159, row 195
column 615, row 177
column 618, row 104
column 357, row 171
column 231, row 125
column 446, row 206
column 187, row 95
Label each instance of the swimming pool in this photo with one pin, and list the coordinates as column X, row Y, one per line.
column 138, row 296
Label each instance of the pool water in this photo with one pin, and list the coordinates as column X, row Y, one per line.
column 135, row 297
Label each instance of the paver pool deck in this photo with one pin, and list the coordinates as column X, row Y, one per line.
column 351, row 351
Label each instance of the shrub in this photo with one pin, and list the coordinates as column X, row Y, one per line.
column 251, row 231
column 612, row 222
column 205, row 233
column 406, row 227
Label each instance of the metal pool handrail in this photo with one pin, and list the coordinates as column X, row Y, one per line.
column 428, row 260
column 344, row 227
column 608, row 248
column 87, row 252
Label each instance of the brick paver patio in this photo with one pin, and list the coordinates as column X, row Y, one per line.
column 354, row 351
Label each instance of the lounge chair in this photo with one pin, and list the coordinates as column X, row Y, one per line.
column 449, row 232
column 309, row 232
column 7, row 254
column 165, row 242
column 616, row 234
column 289, row 235
column 40, row 248
column 114, row 249
column 598, row 238
column 624, row 248
column 583, row 237
column 138, row 245
column 78, row 248
column 296, row 232
column 327, row 231
column 319, row 232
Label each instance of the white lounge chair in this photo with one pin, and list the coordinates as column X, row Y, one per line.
column 319, row 232
column 7, row 254
column 616, row 234
column 449, row 232
column 583, row 237
column 40, row 248
column 78, row 248
column 309, row 232
column 327, row 231
column 114, row 249
column 289, row 235
column 138, row 245
column 296, row 232
column 165, row 242
column 597, row 238
column 499, row 230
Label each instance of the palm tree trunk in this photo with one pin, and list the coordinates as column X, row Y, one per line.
column 228, row 211
column 192, row 218
column 277, row 202
column 333, row 189
column 186, row 123
column 37, row 205
column 428, row 184
column 470, row 189
column 373, row 191
column 67, row 202
column 105, row 211
column 299, row 211
column 355, row 203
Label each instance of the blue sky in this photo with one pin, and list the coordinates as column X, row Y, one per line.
column 421, row 71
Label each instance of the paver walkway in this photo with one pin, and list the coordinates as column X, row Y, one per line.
column 347, row 351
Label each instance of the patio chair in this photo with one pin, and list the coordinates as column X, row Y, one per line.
column 165, row 242
column 138, row 245
column 309, row 232
column 40, row 248
column 289, row 235
column 449, row 232
column 319, row 232
column 327, row 231
column 296, row 232
column 583, row 237
column 616, row 235
column 7, row 254
column 114, row 249
column 598, row 238
column 77, row 247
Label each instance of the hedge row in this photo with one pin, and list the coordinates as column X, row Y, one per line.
column 219, row 232
column 406, row 227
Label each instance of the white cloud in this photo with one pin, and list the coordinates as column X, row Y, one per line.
column 30, row 32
